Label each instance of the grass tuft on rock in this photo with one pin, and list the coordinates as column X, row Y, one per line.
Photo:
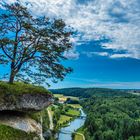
column 19, row 88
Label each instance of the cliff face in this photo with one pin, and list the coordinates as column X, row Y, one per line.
column 20, row 122
column 25, row 102
column 21, row 109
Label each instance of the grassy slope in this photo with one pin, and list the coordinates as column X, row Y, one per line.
column 79, row 133
column 63, row 119
column 78, row 106
column 73, row 112
column 78, row 137
column 8, row 133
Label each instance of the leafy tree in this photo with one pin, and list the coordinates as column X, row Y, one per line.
column 33, row 47
column 109, row 135
column 110, row 118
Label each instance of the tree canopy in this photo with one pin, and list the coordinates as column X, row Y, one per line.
column 33, row 47
column 112, row 118
column 89, row 92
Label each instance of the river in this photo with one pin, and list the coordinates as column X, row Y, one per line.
column 66, row 132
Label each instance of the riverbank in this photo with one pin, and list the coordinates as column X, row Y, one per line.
column 65, row 117
column 62, row 115
column 67, row 132
column 62, row 112
column 79, row 134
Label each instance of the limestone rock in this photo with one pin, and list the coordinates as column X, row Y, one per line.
column 25, row 102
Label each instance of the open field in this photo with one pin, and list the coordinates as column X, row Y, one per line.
column 63, row 119
column 58, row 95
column 66, row 111
column 61, row 96
column 78, row 106
column 73, row 112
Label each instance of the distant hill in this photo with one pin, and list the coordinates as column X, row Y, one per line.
column 131, row 90
column 88, row 92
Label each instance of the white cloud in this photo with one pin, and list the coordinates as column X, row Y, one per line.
column 113, row 56
column 117, row 20
column 71, row 54
column 120, row 55
column 117, row 85
column 91, row 54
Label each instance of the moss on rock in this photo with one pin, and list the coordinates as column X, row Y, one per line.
column 19, row 88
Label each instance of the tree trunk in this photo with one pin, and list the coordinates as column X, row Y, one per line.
column 12, row 76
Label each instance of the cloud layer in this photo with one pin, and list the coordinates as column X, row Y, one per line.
column 116, row 20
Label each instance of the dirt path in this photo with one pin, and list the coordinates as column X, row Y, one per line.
column 50, row 119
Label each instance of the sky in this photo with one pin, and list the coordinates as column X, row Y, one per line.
column 106, row 46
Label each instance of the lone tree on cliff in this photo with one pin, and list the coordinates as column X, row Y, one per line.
column 32, row 47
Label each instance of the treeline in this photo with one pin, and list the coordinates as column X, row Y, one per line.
column 88, row 92
column 114, row 118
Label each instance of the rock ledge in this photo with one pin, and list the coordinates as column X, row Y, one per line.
column 25, row 102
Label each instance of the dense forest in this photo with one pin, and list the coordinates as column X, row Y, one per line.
column 113, row 118
column 111, row 114
column 88, row 92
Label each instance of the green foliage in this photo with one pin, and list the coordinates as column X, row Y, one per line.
column 21, row 88
column 88, row 92
column 72, row 101
column 114, row 118
column 36, row 48
column 72, row 112
column 45, row 119
column 63, row 114
column 8, row 133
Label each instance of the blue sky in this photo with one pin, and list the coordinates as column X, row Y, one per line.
column 106, row 50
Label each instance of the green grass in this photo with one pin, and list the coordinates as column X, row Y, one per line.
column 8, row 133
column 64, row 119
column 58, row 95
column 37, row 117
column 21, row 88
column 78, row 137
column 80, row 130
column 78, row 106
column 73, row 112
column 50, row 109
